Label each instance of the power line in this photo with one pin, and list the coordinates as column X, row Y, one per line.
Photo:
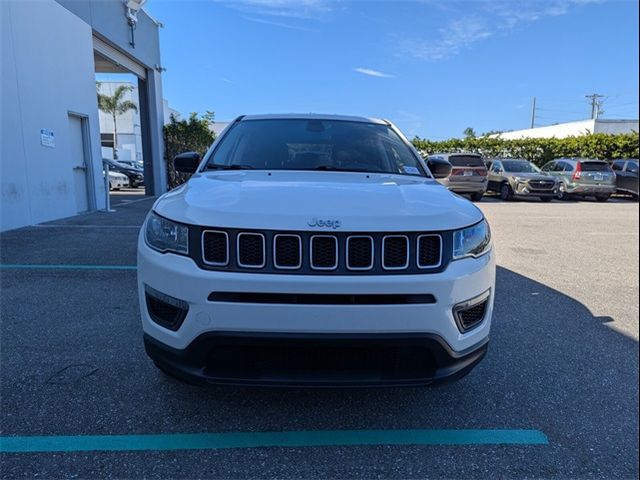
column 596, row 104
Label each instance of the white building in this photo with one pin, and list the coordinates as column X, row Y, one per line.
column 51, row 162
column 129, row 138
column 574, row 129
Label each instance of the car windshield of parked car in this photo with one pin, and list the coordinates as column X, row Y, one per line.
column 466, row 161
column 311, row 144
column 595, row 166
column 520, row 167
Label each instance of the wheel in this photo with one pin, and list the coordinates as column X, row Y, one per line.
column 562, row 192
column 546, row 199
column 603, row 198
column 506, row 193
column 477, row 196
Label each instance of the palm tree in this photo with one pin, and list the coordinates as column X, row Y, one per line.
column 115, row 105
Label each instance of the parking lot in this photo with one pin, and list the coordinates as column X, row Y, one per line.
column 563, row 361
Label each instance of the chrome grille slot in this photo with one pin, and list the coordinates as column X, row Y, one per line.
column 324, row 252
column 395, row 252
column 429, row 251
column 287, row 251
column 251, row 250
column 215, row 247
column 360, row 252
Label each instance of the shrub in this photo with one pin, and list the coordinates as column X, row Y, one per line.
column 192, row 135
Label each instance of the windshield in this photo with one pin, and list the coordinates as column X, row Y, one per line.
column 521, row 166
column 310, row 144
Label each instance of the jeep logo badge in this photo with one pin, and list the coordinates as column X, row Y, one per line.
column 319, row 222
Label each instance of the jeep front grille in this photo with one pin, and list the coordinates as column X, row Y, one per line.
column 338, row 253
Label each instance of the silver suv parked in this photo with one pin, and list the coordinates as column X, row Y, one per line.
column 518, row 177
column 468, row 175
column 582, row 177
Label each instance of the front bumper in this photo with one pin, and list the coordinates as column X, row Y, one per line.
column 258, row 359
column 523, row 189
column 211, row 322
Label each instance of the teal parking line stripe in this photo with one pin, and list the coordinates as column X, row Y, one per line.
column 208, row 441
column 65, row 267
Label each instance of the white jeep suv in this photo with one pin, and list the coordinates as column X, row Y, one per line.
column 314, row 250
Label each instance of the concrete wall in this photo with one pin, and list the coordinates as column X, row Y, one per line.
column 47, row 72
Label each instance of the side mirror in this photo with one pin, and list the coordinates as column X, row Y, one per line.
column 439, row 167
column 186, row 162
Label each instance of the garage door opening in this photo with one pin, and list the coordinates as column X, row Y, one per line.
column 124, row 131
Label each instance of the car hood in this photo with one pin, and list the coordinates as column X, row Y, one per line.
column 531, row 176
column 285, row 200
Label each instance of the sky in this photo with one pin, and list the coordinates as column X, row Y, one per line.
column 432, row 67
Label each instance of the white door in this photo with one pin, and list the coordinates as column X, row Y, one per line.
column 78, row 161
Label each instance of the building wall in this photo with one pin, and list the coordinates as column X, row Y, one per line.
column 616, row 126
column 47, row 72
column 574, row 129
column 562, row 130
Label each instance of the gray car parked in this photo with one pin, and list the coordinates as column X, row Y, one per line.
column 582, row 177
column 468, row 173
column 518, row 177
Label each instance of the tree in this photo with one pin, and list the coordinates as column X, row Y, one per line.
column 192, row 135
column 469, row 133
column 115, row 105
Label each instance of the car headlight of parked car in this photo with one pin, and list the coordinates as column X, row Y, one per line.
column 166, row 236
column 472, row 241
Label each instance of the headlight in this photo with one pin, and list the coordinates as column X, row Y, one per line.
column 520, row 179
column 166, row 236
column 472, row 241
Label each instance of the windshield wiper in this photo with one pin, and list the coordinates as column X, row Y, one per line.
column 331, row 168
column 213, row 166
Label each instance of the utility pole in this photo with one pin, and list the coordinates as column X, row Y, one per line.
column 533, row 113
column 596, row 104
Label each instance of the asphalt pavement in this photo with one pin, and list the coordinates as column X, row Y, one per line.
column 563, row 360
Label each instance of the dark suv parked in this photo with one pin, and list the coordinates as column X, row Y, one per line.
column 626, row 176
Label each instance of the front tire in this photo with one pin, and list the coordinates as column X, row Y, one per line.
column 477, row 196
column 562, row 192
column 603, row 198
column 506, row 193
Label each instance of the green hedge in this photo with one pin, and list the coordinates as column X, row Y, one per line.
column 539, row 150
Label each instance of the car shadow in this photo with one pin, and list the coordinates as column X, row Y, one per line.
column 549, row 355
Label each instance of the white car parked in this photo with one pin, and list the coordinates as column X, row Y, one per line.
column 314, row 250
column 117, row 180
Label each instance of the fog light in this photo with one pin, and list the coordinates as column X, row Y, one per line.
column 470, row 313
column 165, row 310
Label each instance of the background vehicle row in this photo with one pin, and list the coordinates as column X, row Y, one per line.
column 562, row 178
